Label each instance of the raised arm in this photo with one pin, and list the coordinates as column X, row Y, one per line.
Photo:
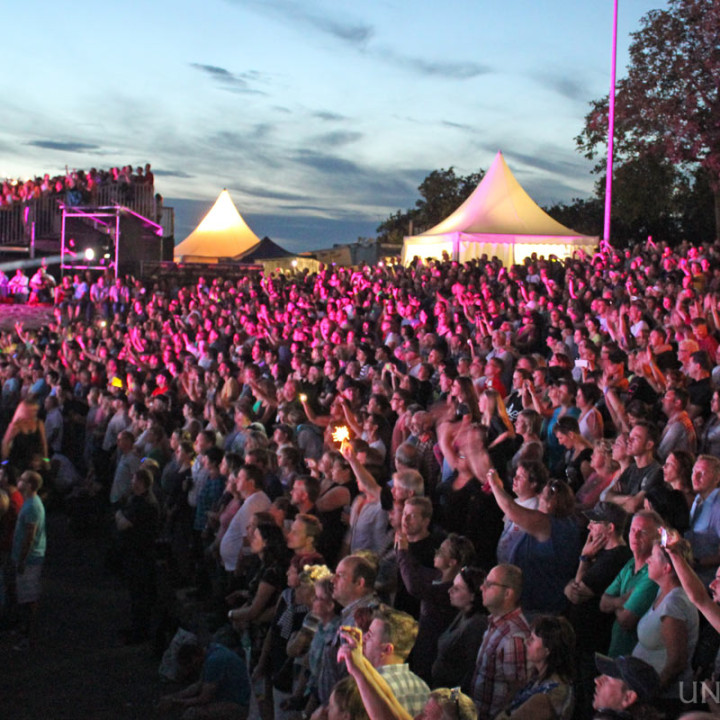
column 533, row 522
column 366, row 481
column 379, row 700
column 693, row 585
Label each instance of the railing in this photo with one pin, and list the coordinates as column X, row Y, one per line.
column 140, row 198
column 42, row 217
column 19, row 222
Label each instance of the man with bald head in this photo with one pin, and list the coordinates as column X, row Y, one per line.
column 501, row 665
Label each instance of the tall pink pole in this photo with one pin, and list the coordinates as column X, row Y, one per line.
column 611, row 126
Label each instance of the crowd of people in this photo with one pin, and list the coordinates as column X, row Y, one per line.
column 75, row 187
column 456, row 490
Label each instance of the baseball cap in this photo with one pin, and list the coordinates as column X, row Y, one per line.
column 634, row 672
column 608, row 512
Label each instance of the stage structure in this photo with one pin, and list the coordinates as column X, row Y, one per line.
column 114, row 239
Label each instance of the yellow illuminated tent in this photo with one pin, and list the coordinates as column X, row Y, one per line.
column 499, row 219
column 221, row 235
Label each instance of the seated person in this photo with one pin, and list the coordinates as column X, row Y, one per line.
column 223, row 690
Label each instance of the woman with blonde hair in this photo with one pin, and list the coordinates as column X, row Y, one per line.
column 604, row 471
column 668, row 632
column 346, row 702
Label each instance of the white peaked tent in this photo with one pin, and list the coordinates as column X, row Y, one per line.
column 499, row 219
column 221, row 235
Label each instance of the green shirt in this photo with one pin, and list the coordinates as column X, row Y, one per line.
column 644, row 591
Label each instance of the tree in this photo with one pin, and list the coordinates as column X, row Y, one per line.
column 670, row 100
column 582, row 215
column 441, row 192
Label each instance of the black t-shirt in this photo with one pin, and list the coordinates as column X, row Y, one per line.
column 514, row 405
column 472, row 512
column 635, row 479
column 640, row 389
column 700, row 392
column 592, row 627
column 143, row 512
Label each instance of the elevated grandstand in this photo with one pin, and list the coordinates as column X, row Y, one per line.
column 107, row 220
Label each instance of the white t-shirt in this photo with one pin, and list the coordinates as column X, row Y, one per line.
column 232, row 543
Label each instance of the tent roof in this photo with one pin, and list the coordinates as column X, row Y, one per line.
column 500, row 206
column 266, row 249
column 222, row 233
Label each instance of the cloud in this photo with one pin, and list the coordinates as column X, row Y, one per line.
column 266, row 192
column 338, row 138
column 574, row 90
column 457, row 126
column 64, row 146
column 232, row 82
column 549, row 160
column 435, row 68
column 360, row 184
column 358, row 36
column 329, row 116
column 172, row 173
column 354, row 34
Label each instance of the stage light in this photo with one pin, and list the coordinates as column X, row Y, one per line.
column 89, row 254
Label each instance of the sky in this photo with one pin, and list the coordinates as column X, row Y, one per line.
column 321, row 118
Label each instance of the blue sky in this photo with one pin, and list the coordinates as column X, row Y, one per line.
column 320, row 117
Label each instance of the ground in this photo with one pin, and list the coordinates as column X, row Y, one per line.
column 32, row 316
column 79, row 670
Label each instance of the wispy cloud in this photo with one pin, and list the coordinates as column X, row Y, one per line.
column 457, row 126
column 435, row 68
column 172, row 173
column 569, row 88
column 353, row 33
column 338, row 138
column 328, row 116
column 232, row 82
column 267, row 192
column 70, row 146
column 358, row 36
column 552, row 160
column 362, row 184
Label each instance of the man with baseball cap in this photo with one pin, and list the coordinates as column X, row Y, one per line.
column 623, row 682
column 604, row 555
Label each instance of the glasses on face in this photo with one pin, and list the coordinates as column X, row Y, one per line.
column 490, row 583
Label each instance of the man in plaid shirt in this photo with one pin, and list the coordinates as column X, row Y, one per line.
column 387, row 643
column 501, row 665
